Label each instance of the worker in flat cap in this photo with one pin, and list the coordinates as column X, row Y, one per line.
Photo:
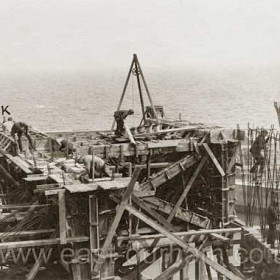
column 120, row 116
column 257, row 150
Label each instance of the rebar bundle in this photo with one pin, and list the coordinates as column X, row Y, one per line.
column 261, row 177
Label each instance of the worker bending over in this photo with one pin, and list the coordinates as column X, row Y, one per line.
column 67, row 147
column 257, row 151
column 100, row 168
column 120, row 116
column 18, row 129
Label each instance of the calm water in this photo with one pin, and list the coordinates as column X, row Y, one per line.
column 85, row 100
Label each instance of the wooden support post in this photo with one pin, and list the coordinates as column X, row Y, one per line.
column 197, row 269
column 124, row 90
column 131, row 139
column 76, row 270
column 146, row 87
column 116, row 221
column 137, row 72
column 93, row 166
column 277, row 108
column 182, row 243
column 233, row 159
column 208, row 270
column 51, row 148
column 214, row 160
column 62, row 216
column 149, row 164
column 183, row 195
column 184, row 271
column 94, row 226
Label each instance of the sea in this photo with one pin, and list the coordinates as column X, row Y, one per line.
column 87, row 99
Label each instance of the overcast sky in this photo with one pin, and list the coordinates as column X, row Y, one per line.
column 101, row 34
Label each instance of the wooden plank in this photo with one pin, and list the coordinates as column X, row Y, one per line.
column 213, row 158
column 62, row 216
column 22, row 206
column 181, row 234
column 93, row 227
column 165, row 131
column 26, row 233
column 220, row 237
column 81, row 188
column 20, row 163
column 118, row 183
column 164, row 144
column 233, row 159
column 183, row 214
column 182, row 244
column 35, row 178
column 131, row 139
column 176, row 168
column 40, row 242
column 118, row 216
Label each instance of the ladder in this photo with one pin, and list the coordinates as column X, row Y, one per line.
column 5, row 141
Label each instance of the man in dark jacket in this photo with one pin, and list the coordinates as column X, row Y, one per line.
column 120, row 116
column 18, row 129
column 272, row 219
column 257, row 149
column 67, row 147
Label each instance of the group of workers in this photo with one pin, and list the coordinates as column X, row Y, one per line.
column 17, row 130
column 258, row 150
column 95, row 167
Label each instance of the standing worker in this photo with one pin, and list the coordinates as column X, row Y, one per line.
column 100, row 168
column 120, row 116
column 18, row 129
column 257, row 151
column 272, row 219
column 7, row 125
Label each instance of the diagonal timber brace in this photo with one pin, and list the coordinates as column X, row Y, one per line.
column 198, row 254
column 173, row 213
column 169, row 172
column 143, row 265
column 152, row 212
column 213, row 158
column 233, row 158
column 117, row 219
column 183, row 214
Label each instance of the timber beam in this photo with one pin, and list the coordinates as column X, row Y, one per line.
column 183, row 214
column 40, row 242
column 169, row 172
column 183, row 244
column 117, row 219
